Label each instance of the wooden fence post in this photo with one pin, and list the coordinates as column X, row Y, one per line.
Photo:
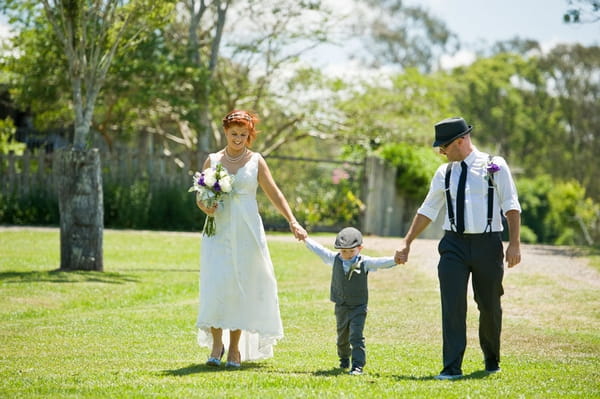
column 382, row 212
column 388, row 212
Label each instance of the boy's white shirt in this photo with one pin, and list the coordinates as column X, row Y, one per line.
column 371, row 264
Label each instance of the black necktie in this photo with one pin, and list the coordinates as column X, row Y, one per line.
column 460, row 199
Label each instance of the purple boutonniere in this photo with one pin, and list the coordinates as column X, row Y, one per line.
column 491, row 169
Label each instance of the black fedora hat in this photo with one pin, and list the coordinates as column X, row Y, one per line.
column 450, row 129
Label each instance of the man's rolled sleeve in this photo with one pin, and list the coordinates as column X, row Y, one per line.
column 428, row 211
column 509, row 199
column 434, row 201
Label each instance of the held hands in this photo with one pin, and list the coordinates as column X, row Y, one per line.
column 298, row 231
column 401, row 256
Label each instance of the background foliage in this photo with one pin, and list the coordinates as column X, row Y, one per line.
column 167, row 90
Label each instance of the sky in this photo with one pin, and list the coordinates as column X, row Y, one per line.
column 493, row 20
column 478, row 22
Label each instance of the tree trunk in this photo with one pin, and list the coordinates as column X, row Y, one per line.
column 79, row 179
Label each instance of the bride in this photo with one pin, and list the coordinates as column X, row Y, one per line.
column 238, row 290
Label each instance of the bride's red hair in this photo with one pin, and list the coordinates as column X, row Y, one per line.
column 244, row 118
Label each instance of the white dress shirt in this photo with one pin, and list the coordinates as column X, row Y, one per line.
column 370, row 263
column 476, row 193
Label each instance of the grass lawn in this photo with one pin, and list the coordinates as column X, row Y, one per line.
column 129, row 331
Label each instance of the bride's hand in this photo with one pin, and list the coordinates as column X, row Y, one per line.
column 298, row 231
column 209, row 210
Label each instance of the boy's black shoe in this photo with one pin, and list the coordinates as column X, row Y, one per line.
column 356, row 370
column 344, row 363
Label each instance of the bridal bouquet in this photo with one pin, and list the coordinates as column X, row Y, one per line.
column 210, row 186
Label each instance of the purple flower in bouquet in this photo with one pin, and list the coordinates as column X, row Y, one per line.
column 210, row 186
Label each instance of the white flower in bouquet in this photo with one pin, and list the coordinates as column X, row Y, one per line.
column 226, row 183
column 210, row 177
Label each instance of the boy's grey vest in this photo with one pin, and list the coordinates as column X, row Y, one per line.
column 348, row 292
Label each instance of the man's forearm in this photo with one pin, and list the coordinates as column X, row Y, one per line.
column 513, row 219
column 419, row 223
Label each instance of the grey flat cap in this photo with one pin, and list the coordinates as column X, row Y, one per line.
column 348, row 237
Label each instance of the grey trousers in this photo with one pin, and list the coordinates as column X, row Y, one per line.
column 350, row 321
column 480, row 256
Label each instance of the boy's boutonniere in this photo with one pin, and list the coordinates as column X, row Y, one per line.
column 354, row 268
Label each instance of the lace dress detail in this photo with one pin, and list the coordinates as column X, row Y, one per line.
column 238, row 290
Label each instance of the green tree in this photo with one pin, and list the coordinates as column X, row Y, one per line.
column 486, row 96
column 256, row 38
column 582, row 11
column 572, row 76
column 522, row 107
column 403, row 108
column 88, row 36
column 402, row 35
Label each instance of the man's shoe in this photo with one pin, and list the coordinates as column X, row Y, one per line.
column 356, row 371
column 344, row 363
column 493, row 370
column 443, row 376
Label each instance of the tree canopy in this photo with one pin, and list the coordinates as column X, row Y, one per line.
column 178, row 72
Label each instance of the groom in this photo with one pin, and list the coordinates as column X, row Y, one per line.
column 475, row 188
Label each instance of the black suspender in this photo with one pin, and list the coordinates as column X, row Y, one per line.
column 490, row 202
column 449, row 199
column 490, row 209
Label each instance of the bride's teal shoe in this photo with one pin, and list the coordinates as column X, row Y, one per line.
column 232, row 364
column 214, row 361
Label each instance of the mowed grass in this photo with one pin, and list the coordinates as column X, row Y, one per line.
column 129, row 332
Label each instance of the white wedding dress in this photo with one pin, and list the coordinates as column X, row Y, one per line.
column 238, row 290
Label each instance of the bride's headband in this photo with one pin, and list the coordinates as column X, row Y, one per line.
column 238, row 115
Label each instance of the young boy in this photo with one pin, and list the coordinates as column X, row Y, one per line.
column 349, row 292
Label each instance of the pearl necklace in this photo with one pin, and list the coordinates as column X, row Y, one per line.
column 235, row 159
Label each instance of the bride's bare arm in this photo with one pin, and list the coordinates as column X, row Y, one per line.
column 268, row 185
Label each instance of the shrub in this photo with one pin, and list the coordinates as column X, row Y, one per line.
column 558, row 212
column 37, row 207
column 7, row 142
column 528, row 236
column 415, row 167
column 323, row 196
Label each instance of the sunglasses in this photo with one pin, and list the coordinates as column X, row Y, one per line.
column 443, row 147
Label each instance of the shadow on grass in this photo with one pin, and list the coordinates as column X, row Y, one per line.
column 162, row 270
column 560, row 250
column 476, row 375
column 335, row 371
column 60, row 276
column 203, row 368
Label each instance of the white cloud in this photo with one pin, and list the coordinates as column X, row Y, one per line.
column 5, row 31
column 461, row 58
